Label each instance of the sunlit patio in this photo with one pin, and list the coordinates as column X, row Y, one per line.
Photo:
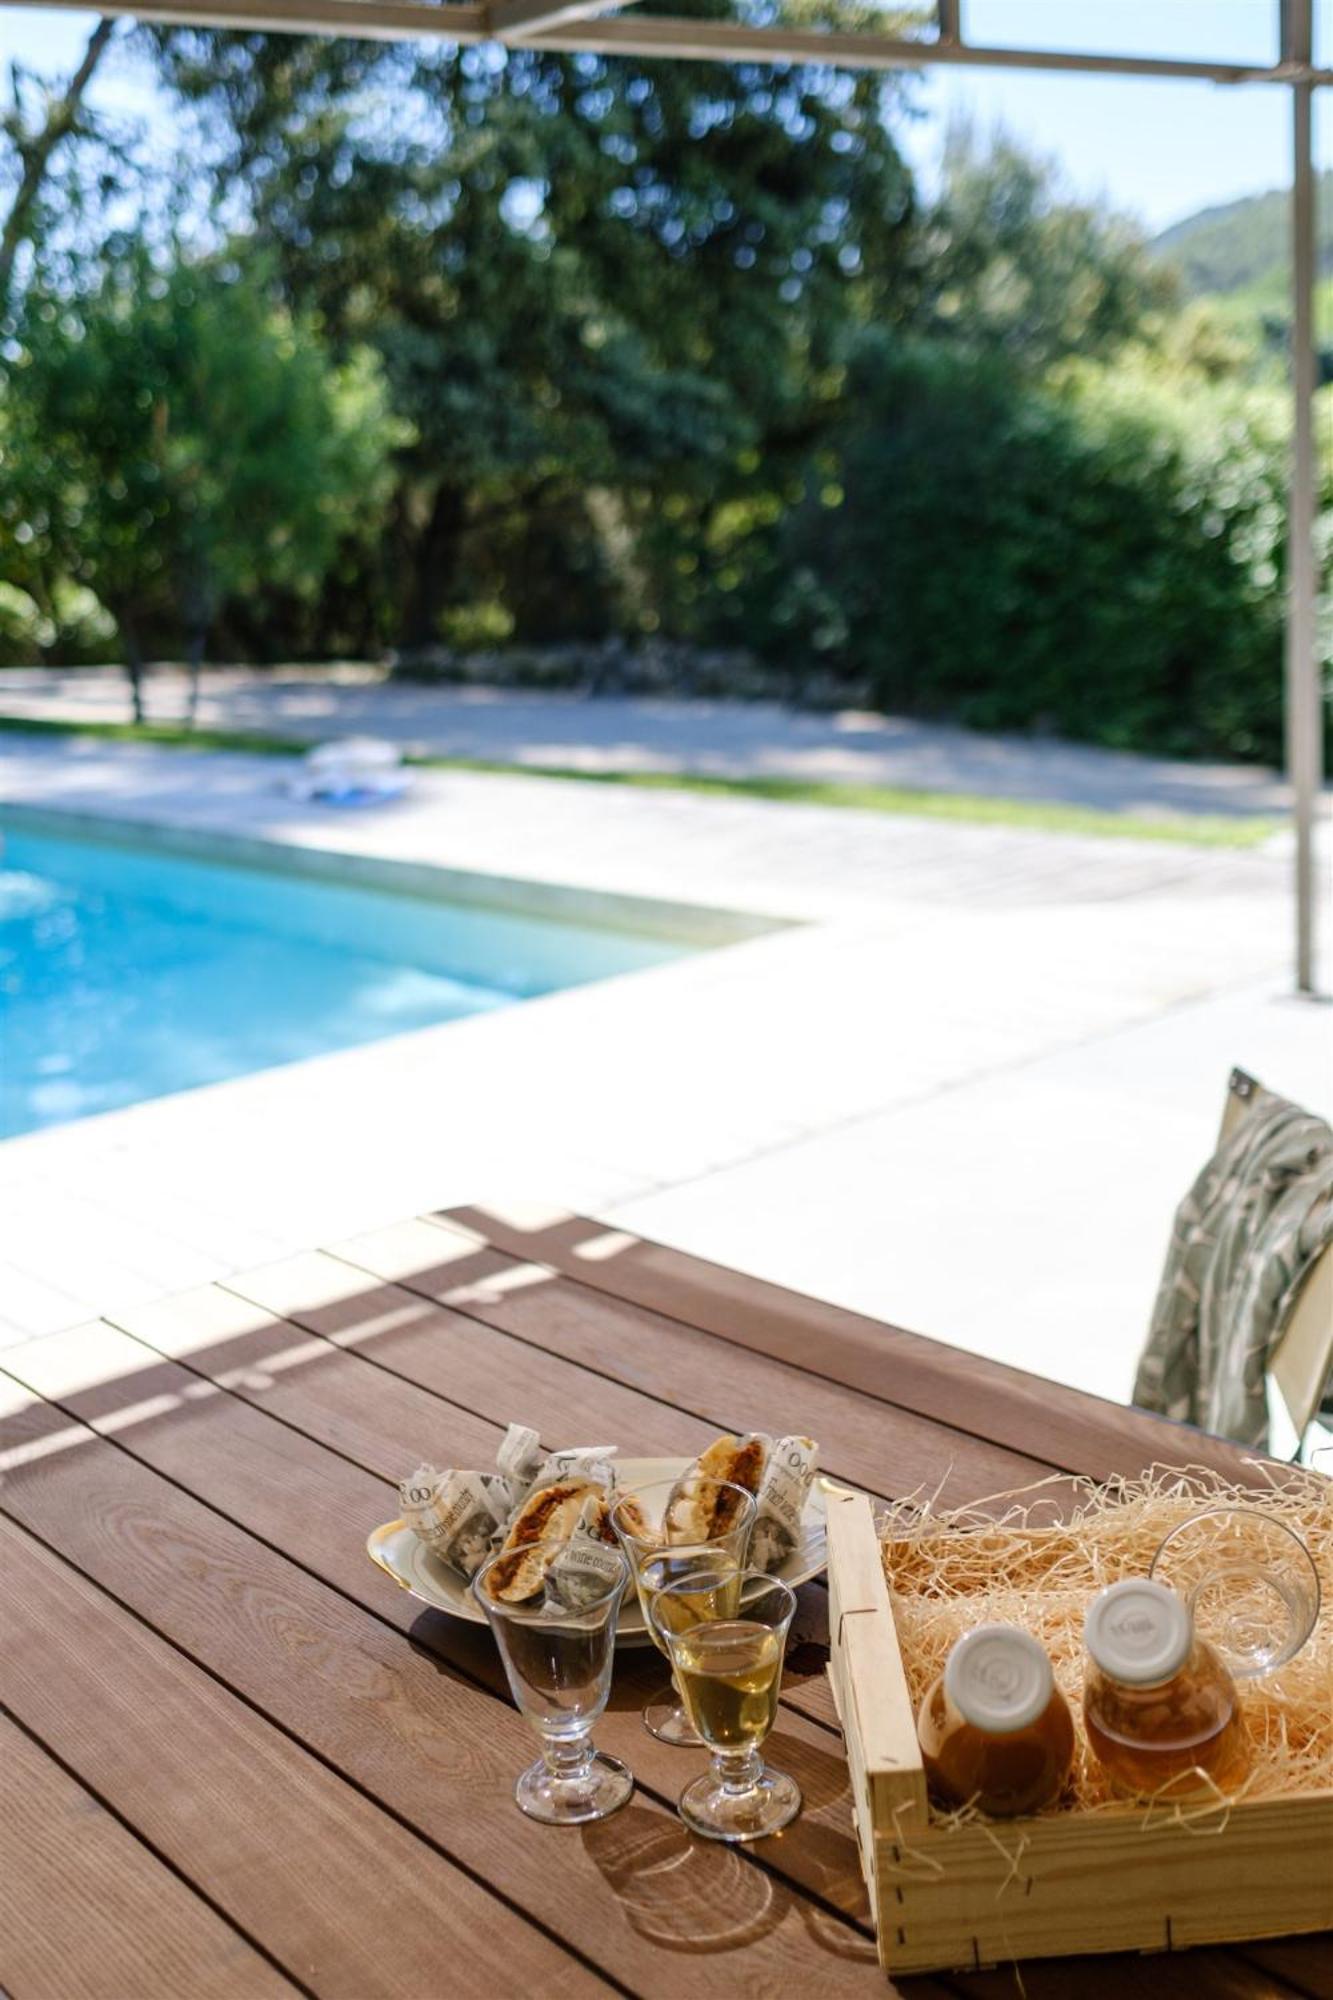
column 957, row 1034
column 421, row 1070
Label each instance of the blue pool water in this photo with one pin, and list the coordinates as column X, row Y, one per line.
column 127, row 973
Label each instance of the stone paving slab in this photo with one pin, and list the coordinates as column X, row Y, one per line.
column 800, row 862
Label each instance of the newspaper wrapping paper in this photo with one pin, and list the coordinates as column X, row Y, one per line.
column 587, row 1566
column 525, row 1468
column 517, row 1462
column 458, row 1515
column 581, row 1461
column 784, row 1488
column 462, row 1516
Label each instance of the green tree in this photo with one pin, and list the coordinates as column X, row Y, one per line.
column 172, row 439
column 1100, row 557
column 1009, row 268
column 607, row 293
column 36, row 124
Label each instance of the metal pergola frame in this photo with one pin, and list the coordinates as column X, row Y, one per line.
column 597, row 26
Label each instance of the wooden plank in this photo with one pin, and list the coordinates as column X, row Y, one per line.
column 373, row 1416
column 1103, row 1883
column 370, row 1698
column 346, row 1900
column 1304, row 1964
column 228, row 1332
column 871, row 1444
column 1204, row 1974
column 867, row 1670
column 217, row 1448
column 1092, row 1437
column 217, row 1331
column 89, row 1913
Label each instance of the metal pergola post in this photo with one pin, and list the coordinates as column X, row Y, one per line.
column 1304, row 694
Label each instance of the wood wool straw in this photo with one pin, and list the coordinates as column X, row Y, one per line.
column 1028, row 1558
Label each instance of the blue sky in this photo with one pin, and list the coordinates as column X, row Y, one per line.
column 1159, row 150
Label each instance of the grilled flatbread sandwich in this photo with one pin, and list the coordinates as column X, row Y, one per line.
column 696, row 1510
column 545, row 1520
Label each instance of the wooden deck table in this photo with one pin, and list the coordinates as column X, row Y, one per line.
column 238, row 1762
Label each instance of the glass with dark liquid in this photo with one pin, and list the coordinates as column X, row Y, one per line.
column 1161, row 1710
column 557, row 1659
column 729, row 1671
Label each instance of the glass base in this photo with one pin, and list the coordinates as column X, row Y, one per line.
column 721, row 1811
column 590, row 1791
column 666, row 1719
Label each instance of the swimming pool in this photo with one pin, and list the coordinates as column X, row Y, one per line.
column 127, row 972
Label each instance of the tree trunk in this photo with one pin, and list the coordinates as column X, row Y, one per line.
column 133, row 664
column 195, row 656
column 37, row 152
column 434, row 566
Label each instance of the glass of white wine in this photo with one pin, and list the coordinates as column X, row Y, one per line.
column 728, row 1666
column 661, row 1550
column 557, row 1650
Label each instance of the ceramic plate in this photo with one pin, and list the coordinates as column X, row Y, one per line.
column 396, row 1550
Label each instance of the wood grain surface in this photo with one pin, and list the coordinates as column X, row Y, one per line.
column 87, row 1912
column 272, row 1768
column 1005, row 1405
column 868, row 1442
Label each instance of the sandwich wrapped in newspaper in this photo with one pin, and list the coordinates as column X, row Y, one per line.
column 778, row 1472
column 464, row 1517
column 458, row 1515
column 559, row 1544
column 548, row 1513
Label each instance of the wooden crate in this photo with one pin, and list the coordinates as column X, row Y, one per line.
column 973, row 1895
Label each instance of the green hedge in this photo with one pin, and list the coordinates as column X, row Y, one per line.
column 1100, row 558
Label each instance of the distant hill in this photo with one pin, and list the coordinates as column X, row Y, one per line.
column 1242, row 246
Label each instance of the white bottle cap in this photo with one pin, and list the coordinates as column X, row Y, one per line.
column 998, row 1678
column 1138, row 1631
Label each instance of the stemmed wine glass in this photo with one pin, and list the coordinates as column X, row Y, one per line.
column 639, row 1518
column 727, row 1656
column 557, row 1651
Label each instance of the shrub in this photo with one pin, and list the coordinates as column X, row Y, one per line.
column 1098, row 556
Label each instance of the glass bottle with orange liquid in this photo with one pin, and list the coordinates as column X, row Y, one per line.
column 995, row 1730
column 1160, row 1708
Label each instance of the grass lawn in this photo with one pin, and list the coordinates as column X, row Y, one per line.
column 1181, row 829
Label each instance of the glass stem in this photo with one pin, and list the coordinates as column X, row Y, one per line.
column 568, row 1757
column 739, row 1770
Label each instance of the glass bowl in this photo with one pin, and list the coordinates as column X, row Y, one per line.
column 1250, row 1583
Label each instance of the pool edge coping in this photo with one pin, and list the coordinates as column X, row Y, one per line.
column 699, row 924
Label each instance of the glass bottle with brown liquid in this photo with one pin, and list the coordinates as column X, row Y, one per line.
column 995, row 1730
column 1160, row 1709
